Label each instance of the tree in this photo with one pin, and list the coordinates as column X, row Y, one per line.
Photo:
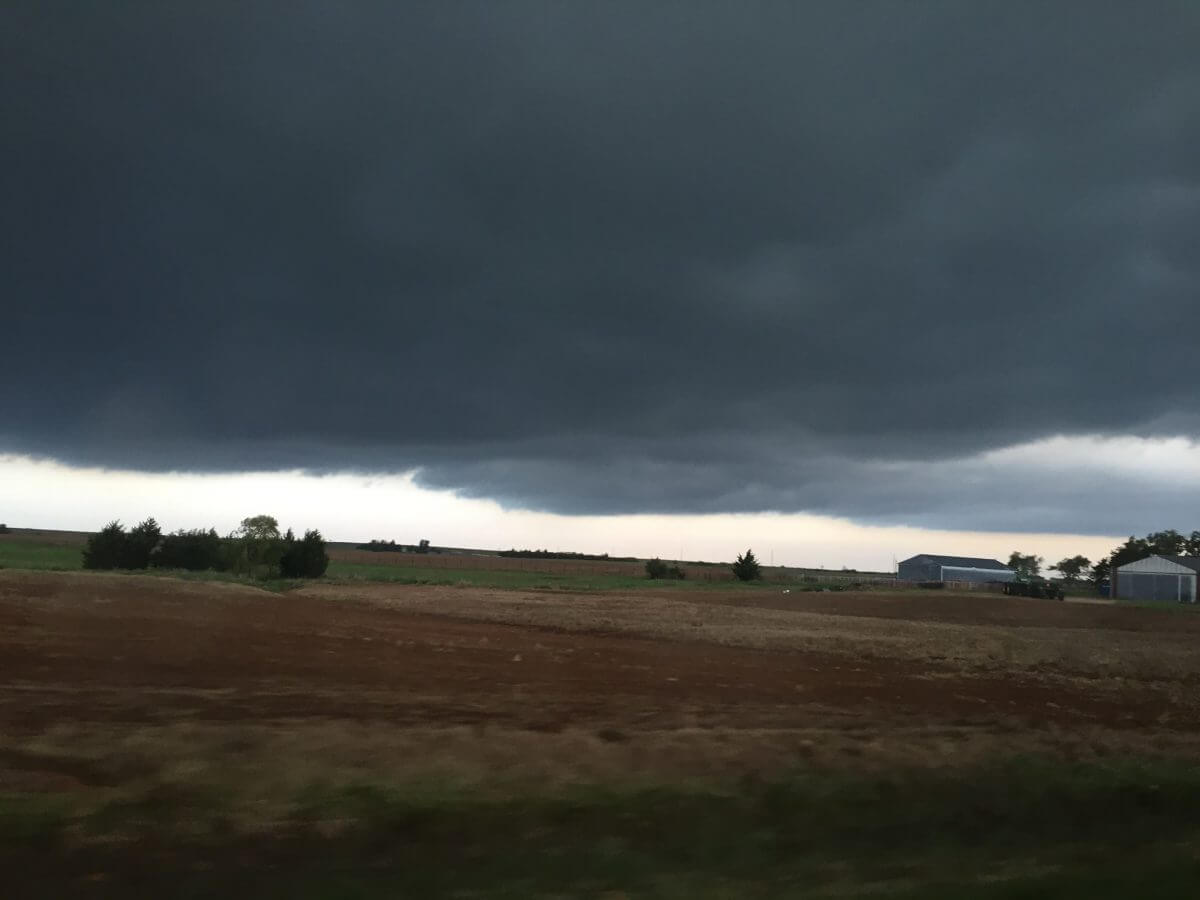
column 196, row 550
column 1166, row 543
column 105, row 549
column 746, row 567
column 1192, row 546
column 1101, row 572
column 140, row 545
column 1072, row 568
column 1130, row 551
column 258, row 546
column 3, row 528
column 1026, row 566
column 260, row 527
column 305, row 558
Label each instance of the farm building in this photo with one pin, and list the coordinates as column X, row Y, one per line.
column 931, row 567
column 1163, row 579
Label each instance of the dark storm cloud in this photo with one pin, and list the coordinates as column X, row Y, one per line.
column 599, row 257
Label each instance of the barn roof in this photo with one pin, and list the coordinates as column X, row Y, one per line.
column 1190, row 562
column 964, row 562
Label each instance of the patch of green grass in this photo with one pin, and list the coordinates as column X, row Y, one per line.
column 511, row 580
column 32, row 819
column 54, row 557
column 340, row 878
column 1021, row 803
column 1017, row 829
column 522, row 580
column 1021, row 829
column 36, row 555
column 1164, row 874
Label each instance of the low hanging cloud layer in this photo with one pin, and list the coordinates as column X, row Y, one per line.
column 616, row 257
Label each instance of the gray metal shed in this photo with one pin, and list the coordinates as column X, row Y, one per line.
column 933, row 567
column 1157, row 579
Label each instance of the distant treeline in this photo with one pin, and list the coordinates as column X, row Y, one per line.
column 556, row 554
column 256, row 549
column 381, row 546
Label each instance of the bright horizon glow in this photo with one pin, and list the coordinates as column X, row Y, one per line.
column 358, row 507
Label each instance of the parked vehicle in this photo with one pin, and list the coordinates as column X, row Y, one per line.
column 1035, row 587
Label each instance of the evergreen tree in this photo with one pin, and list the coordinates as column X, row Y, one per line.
column 196, row 550
column 305, row 558
column 105, row 549
column 746, row 567
column 140, row 544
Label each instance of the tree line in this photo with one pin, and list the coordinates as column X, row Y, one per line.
column 378, row 545
column 256, row 548
column 564, row 554
column 1079, row 568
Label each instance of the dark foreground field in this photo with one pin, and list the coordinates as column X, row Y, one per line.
column 186, row 739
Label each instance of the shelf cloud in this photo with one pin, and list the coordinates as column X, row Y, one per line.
column 835, row 258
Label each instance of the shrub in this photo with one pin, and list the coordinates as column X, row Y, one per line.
column 746, row 567
column 305, row 558
column 196, row 550
column 656, row 568
column 105, row 549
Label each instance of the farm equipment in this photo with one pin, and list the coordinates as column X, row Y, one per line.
column 1038, row 588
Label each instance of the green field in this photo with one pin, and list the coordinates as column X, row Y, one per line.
column 45, row 556
column 48, row 556
column 516, row 580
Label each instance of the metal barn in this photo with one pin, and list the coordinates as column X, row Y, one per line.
column 1157, row 579
column 932, row 567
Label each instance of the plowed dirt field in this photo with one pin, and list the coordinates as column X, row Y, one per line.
column 86, row 648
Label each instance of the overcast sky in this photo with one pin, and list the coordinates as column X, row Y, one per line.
column 894, row 264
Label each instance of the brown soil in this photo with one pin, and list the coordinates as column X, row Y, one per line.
column 85, row 648
column 974, row 608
